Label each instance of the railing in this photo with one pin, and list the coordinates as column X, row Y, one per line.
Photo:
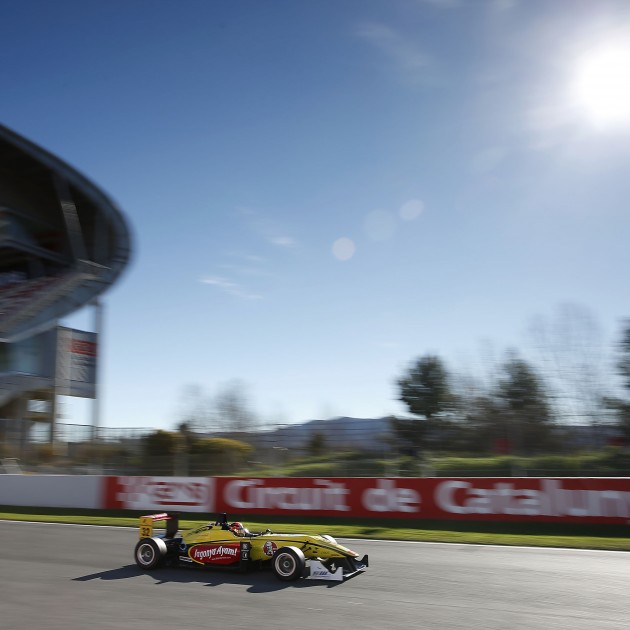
column 22, row 303
column 124, row 452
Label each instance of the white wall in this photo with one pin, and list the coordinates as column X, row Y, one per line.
column 60, row 491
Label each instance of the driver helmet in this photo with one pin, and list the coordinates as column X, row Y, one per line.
column 239, row 529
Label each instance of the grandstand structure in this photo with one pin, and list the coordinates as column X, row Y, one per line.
column 63, row 243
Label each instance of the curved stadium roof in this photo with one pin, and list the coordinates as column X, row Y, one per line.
column 63, row 241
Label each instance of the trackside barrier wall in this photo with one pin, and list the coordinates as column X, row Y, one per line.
column 185, row 494
column 570, row 500
column 55, row 491
column 581, row 500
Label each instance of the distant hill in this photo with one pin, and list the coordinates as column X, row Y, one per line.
column 356, row 433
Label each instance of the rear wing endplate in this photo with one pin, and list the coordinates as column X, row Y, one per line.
column 147, row 522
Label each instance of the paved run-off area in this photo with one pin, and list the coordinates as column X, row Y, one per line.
column 68, row 577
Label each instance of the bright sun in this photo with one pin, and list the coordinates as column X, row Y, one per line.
column 602, row 85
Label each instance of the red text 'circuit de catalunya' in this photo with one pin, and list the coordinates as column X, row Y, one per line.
column 546, row 499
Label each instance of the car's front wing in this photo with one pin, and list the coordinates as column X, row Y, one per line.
column 337, row 569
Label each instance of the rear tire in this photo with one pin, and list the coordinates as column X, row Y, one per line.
column 288, row 563
column 149, row 553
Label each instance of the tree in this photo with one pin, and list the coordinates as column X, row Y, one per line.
column 194, row 409
column 484, row 428
column 410, row 433
column 520, row 387
column 316, row 444
column 425, row 388
column 233, row 410
column 619, row 405
column 218, row 456
column 426, row 391
column 160, row 443
column 573, row 358
column 159, row 450
column 623, row 363
column 187, row 440
column 524, row 406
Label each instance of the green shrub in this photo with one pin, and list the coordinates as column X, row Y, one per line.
column 217, row 456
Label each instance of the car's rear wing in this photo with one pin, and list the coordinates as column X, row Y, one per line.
column 172, row 524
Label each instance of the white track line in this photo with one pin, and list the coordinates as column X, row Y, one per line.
column 357, row 540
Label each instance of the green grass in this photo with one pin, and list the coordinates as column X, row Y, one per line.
column 469, row 532
column 607, row 462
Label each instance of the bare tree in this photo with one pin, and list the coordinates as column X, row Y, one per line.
column 194, row 409
column 621, row 405
column 573, row 359
column 233, row 410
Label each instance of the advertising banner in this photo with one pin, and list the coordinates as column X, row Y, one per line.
column 323, row 497
column 187, row 494
column 564, row 499
column 499, row 499
column 571, row 500
column 76, row 363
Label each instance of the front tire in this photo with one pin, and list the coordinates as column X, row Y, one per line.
column 288, row 563
column 150, row 553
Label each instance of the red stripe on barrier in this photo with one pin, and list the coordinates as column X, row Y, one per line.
column 586, row 500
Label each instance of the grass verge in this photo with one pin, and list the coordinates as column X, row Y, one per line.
column 613, row 537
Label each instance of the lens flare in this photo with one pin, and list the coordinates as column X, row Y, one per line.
column 602, row 85
column 343, row 249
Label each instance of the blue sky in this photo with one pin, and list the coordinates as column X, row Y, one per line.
column 320, row 192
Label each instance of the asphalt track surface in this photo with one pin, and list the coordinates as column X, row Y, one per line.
column 60, row 577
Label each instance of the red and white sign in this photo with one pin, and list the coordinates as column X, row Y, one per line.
column 567, row 499
column 189, row 494
column 215, row 554
column 324, row 497
column 586, row 500
column 77, row 353
column 592, row 500
column 270, row 548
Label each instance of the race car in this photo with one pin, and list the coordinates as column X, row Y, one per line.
column 225, row 545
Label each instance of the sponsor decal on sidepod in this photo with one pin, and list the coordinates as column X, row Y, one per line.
column 215, row 554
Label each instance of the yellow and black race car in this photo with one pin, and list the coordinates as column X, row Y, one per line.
column 221, row 544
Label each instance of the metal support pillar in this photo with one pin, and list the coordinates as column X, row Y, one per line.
column 71, row 217
column 96, row 403
column 54, row 402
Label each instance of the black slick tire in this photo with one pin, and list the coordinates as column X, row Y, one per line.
column 288, row 563
column 149, row 553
